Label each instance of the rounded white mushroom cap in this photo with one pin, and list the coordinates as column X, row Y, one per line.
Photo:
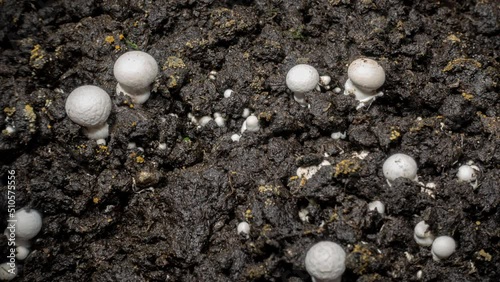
column 88, row 106
column 325, row 261
column 400, row 165
column 243, row 228
column 6, row 272
column 443, row 247
column 22, row 252
column 28, row 224
column 466, row 173
column 250, row 124
column 366, row 73
column 135, row 70
column 302, row 78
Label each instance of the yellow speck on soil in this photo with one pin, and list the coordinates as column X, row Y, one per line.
column 394, row 134
column 467, row 96
column 452, row 38
column 9, row 111
column 174, row 62
column 96, row 200
column 346, row 167
column 117, row 47
column 461, row 62
column 109, row 39
column 172, row 82
column 121, row 36
column 102, row 149
column 485, row 255
column 139, row 160
column 36, row 52
column 248, row 215
column 29, row 113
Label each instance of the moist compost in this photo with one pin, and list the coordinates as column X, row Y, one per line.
column 116, row 212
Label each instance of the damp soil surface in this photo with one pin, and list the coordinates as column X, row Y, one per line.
column 167, row 209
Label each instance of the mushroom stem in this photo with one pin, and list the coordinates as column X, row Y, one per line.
column 100, row 131
column 138, row 96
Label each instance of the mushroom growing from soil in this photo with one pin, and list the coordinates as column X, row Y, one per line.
column 325, row 262
column 28, row 225
column 301, row 79
column 377, row 206
column 243, row 229
column 250, row 124
column 468, row 173
column 365, row 77
column 90, row 106
column 443, row 247
column 422, row 234
column 135, row 72
column 400, row 165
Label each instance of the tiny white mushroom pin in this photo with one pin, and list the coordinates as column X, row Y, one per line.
column 325, row 262
column 468, row 173
column 244, row 229
column 365, row 77
column 135, row 72
column 301, row 79
column 422, row 234
column 400, row 165
column 90, row 106
column 443, row 247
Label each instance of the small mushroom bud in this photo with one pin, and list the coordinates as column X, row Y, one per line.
column 135, row 72
column 90, row 106
column 443, row 247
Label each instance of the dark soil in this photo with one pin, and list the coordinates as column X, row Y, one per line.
column 144, row 214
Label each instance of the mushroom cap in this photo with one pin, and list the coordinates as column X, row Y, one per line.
column 28, row 224
column 88, row 106
column 325, row 261
column 302, row 78
column 366, row 73
column 400, row 165
column 443, row 247
column 466, row 173
column 135, row 69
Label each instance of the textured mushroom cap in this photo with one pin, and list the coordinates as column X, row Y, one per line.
column 88, row 106
column 28, row 224
column 135, row 69
column 443, row 247
column 325, row 261
column 400, row 165
column 366, row 73
column 302, row 78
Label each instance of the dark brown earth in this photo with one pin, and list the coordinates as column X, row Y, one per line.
column 115, row 214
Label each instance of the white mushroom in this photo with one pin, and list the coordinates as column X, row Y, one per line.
column 400, row 165
column 468, row 173
column 365, row 77
column 422, row 234
column 443, row 247
column 301, row 79
column 90, row 106
column 325, row 262
column 135, row 72
column 244, row 229
column 377, row 206
column 251, row 124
